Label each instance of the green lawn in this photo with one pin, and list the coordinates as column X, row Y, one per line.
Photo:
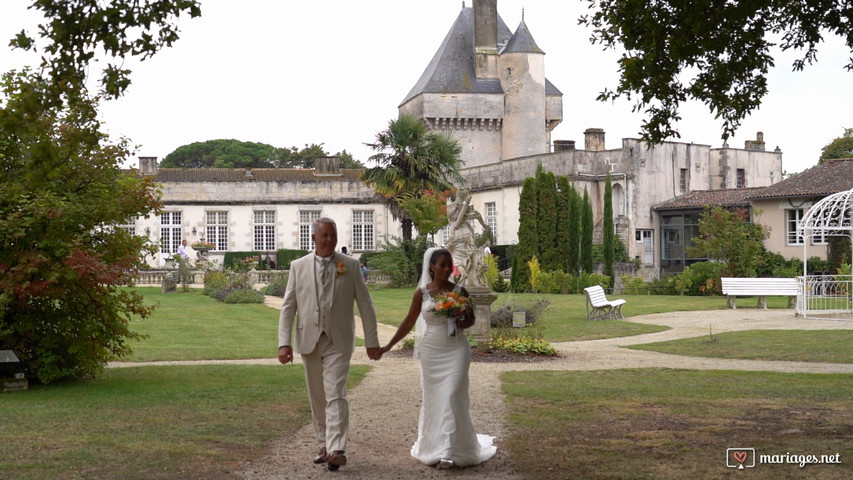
column 832, row 346
column 152, row 422
column 204, row 421
column 675, row 424
column 192, row 326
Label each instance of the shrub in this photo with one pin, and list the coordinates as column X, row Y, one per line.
column 702, row 278
column 502, row 315
column 277, row 285
column 214, row 281
column 634, row 285
column 234, row 258
column 526, row 341
column 500, row 285
column 535, row 272
column 218, row 284
column 244, row 296
column 284, row 256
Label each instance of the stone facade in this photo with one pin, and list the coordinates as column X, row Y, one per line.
column 503, row 126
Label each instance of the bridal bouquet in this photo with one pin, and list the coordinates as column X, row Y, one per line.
column 451, row 305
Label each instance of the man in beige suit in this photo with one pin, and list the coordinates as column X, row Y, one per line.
column 320, row 292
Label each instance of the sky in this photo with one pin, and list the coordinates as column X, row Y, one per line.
column 294, row 73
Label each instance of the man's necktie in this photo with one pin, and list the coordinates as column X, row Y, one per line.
column 324, row 276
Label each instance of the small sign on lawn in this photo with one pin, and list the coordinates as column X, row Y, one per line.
column 519, row 319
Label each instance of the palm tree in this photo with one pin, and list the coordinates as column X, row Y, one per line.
column 411, row 160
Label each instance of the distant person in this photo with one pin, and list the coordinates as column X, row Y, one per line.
column 319, row 297
column 182, row 251
column 344, row 250
column 364, row 271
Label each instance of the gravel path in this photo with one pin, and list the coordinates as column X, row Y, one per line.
column 384, row 407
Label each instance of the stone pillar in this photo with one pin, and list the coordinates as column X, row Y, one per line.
column 482, row 299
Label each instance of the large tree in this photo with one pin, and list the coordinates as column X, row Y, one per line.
column 713, row 51
column 528, row 240
column 411, row 161
column 841, row 147
column 240, row 154
column 62, row 191
column 838, row 251
column 546, row 221
column 729, row 236
column 587, row 232
column 608, row 232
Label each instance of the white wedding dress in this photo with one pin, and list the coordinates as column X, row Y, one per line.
column 445, row 429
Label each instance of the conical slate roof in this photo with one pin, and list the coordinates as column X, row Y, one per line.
column 451, row 70
column 522, row 41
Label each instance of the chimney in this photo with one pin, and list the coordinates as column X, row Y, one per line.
column 757, row 144
column 486, row 38
column 148, row 166
column 594, row 139
column 327, row 166
column 564, row 145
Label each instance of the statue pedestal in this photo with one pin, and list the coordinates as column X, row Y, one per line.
column 482, row 299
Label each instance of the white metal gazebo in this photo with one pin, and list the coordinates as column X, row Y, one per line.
column 826, row 296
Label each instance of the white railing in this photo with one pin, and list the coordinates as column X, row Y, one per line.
column 825, row 296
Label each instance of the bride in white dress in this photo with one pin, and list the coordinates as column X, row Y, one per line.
column 446, row 435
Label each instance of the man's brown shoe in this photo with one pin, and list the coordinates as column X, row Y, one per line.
column 337, row 460
column 321, row 457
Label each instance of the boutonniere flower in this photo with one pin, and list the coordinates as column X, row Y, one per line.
column 341, row 268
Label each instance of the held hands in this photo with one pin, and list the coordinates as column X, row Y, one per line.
column 375, row 353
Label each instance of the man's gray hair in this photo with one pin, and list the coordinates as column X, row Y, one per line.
column 320, row 220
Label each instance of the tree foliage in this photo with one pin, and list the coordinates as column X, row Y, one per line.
column 62, row 261
column 587, row 232
column 608, row 232
column 427, row 211
column 240, row 154
column 728, row 236
column 527, row 236
column 575, row 217
column 546, row 223
column 713, row 51
column 77, row 31
column 564, row 224
column 841, row 147
column 411, row 160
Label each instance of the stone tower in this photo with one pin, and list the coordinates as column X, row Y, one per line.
column 486, row 87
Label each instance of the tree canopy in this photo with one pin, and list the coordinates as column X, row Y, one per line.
column 411, row 161
column 240, row 154
column 63, row 194
column 714, row 51
column 841, row 147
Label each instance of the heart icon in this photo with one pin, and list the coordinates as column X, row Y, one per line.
column 740, row 456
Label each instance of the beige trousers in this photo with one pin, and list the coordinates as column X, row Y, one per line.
column 326, row 371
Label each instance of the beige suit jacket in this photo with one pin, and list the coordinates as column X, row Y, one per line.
column 302, row 305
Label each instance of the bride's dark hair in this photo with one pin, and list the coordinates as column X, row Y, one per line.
column 438, row 253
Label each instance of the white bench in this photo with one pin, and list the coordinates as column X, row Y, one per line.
column 598, row 306
column 760, row 287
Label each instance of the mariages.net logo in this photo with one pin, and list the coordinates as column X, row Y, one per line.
column 742, row 458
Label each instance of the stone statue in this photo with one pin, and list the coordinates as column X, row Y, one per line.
column 467, row 254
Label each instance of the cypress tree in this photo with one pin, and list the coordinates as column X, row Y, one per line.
column 609, row 233
column 527, row 237
column 564, row 202
column 586, row 233
column 575, row 214
column 546, row 223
